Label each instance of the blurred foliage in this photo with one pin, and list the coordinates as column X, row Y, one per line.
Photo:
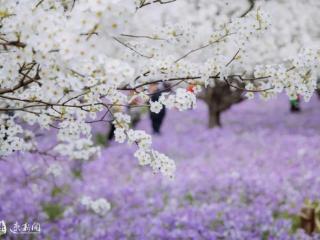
column 77, row 173
column 214, row 224
column 265, row 235
column 56, row 191
column 101, row 139
column 54, row 211
column 294, row 218
column 189, row 198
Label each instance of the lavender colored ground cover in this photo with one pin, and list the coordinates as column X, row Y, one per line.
column 247, row 180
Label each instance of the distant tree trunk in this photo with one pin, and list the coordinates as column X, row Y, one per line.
column 214, row 117
column 219, row 98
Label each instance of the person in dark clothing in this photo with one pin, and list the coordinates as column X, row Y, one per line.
column 156, row 118
column 295, row 105
column 111, row 132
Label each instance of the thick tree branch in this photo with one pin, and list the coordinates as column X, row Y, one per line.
column 251, row 6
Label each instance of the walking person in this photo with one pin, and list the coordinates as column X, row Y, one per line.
column 156, row 118
column 295, row 104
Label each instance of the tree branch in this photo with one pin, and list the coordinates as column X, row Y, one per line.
column 251, row 6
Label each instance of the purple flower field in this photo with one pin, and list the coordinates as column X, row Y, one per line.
column 248, row 180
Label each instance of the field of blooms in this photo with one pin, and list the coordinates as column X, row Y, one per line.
column 247, row 180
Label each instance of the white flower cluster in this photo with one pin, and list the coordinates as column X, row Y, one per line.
column 158, row 162
column 55, row 170
column 182, row 99
column 121, row 124
column 75, row 140
column 145, row 154
column 213, row 67
column 299, row 78
column 155, row 106
column 9, row 136
column 99, row 206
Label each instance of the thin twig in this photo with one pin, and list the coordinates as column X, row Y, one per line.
column 131, row 48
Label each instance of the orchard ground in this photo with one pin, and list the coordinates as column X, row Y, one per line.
column 246, row 180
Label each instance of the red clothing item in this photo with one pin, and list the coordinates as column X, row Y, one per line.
column 190, row 88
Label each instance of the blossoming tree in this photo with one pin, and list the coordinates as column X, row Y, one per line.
column 288, row 33
column 67, row 64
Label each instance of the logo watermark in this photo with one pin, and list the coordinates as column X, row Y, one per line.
column 19, row 228
column 3, row 228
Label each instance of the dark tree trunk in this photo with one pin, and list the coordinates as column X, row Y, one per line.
column 318, row 92
column 214, row 118
column 218, row 99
